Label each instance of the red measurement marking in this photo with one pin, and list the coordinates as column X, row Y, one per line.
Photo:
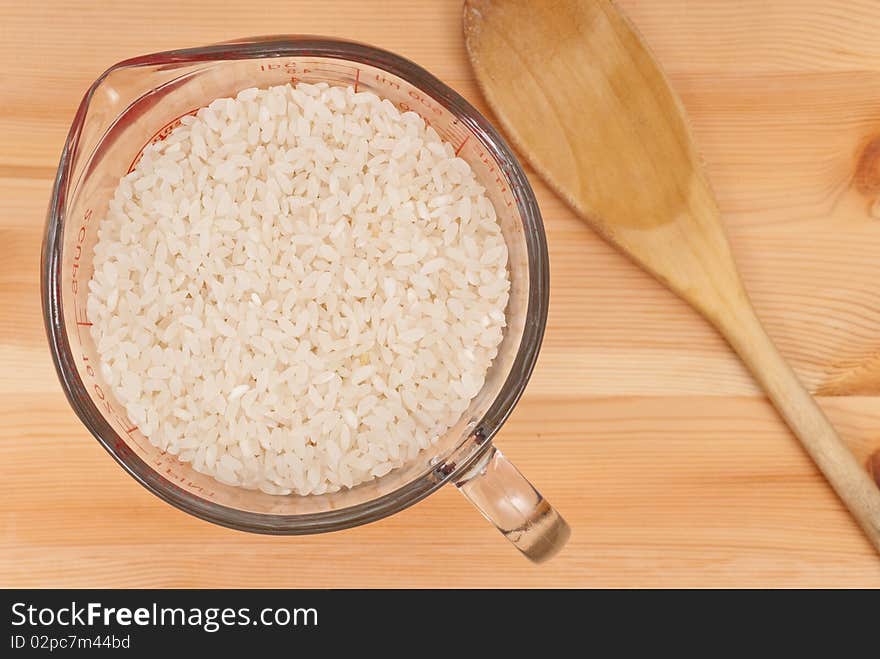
column 357, row 79
column 84, row 324
column 82, row 319
column 461, row 146
column 160, row 135
column 131, row 430
column 386, row 82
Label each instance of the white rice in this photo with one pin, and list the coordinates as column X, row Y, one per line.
column 299, row 289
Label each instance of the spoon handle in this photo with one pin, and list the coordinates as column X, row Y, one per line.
column 848, row 478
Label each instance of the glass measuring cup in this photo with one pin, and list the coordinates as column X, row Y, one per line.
column 141, row 100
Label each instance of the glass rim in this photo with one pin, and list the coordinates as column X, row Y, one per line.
column 465, row 454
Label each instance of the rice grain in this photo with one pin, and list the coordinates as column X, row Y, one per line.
column 299, row 289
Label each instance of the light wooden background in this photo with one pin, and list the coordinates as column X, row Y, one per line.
column 639, row 424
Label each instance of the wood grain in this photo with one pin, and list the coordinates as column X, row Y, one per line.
column 639, row 424
column 649, row 196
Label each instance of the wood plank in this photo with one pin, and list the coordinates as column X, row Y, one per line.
column 639, row 423
column 661, row 491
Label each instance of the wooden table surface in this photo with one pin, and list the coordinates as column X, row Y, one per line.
column 639, row 424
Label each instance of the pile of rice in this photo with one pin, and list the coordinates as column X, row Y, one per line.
column 299, row 289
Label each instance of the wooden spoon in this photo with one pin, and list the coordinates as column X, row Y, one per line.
column 588, row 106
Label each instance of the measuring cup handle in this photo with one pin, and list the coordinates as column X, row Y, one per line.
column 514, row 506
